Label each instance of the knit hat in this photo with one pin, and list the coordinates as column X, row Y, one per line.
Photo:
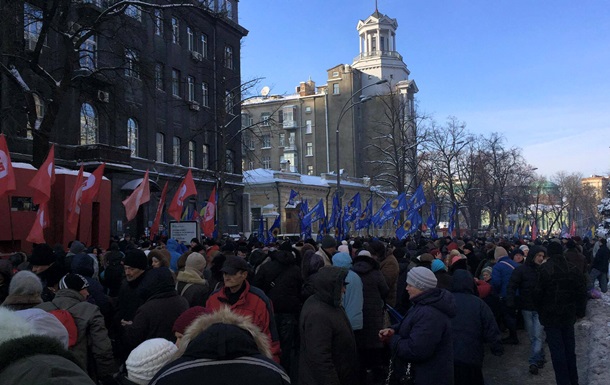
column 42, row 255
column 196, row 261
column 186, row 319
column 328, row 242
column 343, row 249
column 500, row 252
column 425, row 257
column 77, row 247
column 524, row 247
column 74, row 282
column 364, row 253
column 437, row 265
column 554, row 248
column 454, row 253
column 421, row 278
column 25, row 283
column 148, row 358
column 136, row 259
column 452, row 246
column 487, row 269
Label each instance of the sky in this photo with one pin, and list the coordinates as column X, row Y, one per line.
column 536, row 71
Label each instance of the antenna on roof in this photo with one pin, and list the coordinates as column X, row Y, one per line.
column 376, row 9
column 265, row 91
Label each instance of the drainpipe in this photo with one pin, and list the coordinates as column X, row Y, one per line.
column 326, row 123
column 279, row 205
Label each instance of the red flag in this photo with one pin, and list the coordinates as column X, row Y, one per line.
column 573, row 229
column 138, row 197
column 41, row 222
column 74, row 204
column 534, row 231
column 44, row 178
column 155, row 227
column 92, row 186
column 186, row 189
column 7, row 176
column 210, row 213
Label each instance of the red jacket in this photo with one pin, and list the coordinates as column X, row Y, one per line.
column 255, row 304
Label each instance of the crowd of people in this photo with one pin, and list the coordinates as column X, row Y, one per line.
column 357, row 311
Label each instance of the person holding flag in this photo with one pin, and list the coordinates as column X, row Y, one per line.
column 209, row 219
column 185, row 190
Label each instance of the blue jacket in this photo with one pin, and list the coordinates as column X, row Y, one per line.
column 424, row 338
column 474, row 323
column 353, row 298
column 175, row 250
column 500, row 275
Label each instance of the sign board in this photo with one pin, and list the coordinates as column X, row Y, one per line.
column 184, row 231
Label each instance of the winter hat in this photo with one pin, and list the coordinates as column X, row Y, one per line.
column 437, row 265
column 455, row 259
column 554, row 248
column 42, row 255
column 25, row 283
column 500, row 252
column 343, row 249
column 364, row 253
column 524, row 248
column 421, row 278
column 452, row 246
column 487, row 269
column 46, row 324
column 454, row 253
column 12, row 326
column 425, row 257
column 186, row 319
column 77, row 247
column 73, row 282
column 434, row 252
column 328, row 242
column 148, row 358
column 136, row 259
column 162, row 255
column 233, row 264
column 196, row 261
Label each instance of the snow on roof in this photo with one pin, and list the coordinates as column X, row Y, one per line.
column 25, row 166
column 263, row 176
column 58, row 170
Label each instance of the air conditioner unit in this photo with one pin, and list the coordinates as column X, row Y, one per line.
column 194, row 106
column 196, row 56
column 103, row 96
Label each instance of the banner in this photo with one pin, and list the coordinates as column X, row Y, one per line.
column 274, row 230
column 186, row 189
column 7, row 176
column 138, row 197
column 364, row 221
column 93, row 183
column 209, row 219
column 155, row 227
column 41, row 222
column 418, row 199
column 44, row 179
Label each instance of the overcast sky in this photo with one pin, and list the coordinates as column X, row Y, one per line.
column 536, row 71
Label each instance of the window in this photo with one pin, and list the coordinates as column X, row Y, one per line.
column 250, row 165
column 266, row 140
column 88, row 53
column 280, row 116
column 288, row 114
column 229, row 57
column 176, row 150
column 131, row 64
column 230, row 166
column 159, row 76
column 190, row 81
column 134, row 12
column 336, row 90
column 229, row 101
column 190, row 39
column 158, row 18
column 192, row 154
column 32, row 24
column 205, row 94
column 308, row 110
column 246, row 120
column 282, row 139
column 176, row 83
column 309, row 170
column 132, row 136
column 160, row 144
column 265, row 118
column 309, row 149
column 204, row 45
column 308, row 129
column 266, row 162
column 335, row 74
column 228, row 7
column 205, row 154
column 88, row 124
column 175, row 31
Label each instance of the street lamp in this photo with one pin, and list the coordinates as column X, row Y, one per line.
column 346, row 107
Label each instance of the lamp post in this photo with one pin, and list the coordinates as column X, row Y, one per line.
column 346, row 107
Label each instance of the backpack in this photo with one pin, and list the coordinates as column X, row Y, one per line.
column 67, row 320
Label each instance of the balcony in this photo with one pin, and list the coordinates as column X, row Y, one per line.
column 375, row 54
column 290, row 124
column 119, row 156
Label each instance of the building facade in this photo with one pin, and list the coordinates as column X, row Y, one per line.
column 139, row 88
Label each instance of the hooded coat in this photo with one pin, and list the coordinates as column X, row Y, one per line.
column 328, row 353
column 175, row 250
column 474, row 323
column 162, row 306
column 223, row 348
column 192, row 286
column 280, row 279
column 424, row 338
column 520, row 290
column 500, row 275
column 375, row 290
column 83, row 264
column 353, row 299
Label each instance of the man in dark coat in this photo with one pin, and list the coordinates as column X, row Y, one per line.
column 560, row 297
column 424, row 337
column 599, row 268
column 473, row 325
column 328, row 349
column 48, row 268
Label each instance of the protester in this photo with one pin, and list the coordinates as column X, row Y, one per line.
column 146, row 360
column 25, row 291
column 500, row 276
column 353, row 299
column 190, row 282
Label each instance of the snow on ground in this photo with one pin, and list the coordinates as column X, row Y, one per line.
column 593, row 339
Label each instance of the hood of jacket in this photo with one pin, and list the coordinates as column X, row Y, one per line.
column 529, row 260
column 342, row 260
column 284, row 257
column 190, row 275
column 440, row 299
column 223, row 335
column 174, row 247
column 328, row 283
column 77, row 247
column 157, row 283
column 364, row 264
column 82, row 264
column 462, row 282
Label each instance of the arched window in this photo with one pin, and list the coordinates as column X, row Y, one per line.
column 89, row 124
column 132, row 136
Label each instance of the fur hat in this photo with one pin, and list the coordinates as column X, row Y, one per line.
column 500, row 252
column 437, row 265
column 421, row 278
column 12, row 326
column 328, row 242
column 148, row 358
column 196, row 261
column 42, row 255
column 136, row 259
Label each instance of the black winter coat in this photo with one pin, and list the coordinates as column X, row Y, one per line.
column 522, row 283
column 602, row 257
column 474, row 323
column 281, row 280
column 375, row 290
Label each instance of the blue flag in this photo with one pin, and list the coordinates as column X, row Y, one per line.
column 452, row 219
column 335, row 214
column 410, row 225
column 418, row 199
column 305, row 230
column 364, row 221
column 376, row 220
column 353, row 208
column 293, row 194
column 274, row 230
column 431, row 221
column 397, row 205
column 316, row 213
column 261, row 231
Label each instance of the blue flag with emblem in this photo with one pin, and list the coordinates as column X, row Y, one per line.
column 431, row 221
column 418, row 199
column 316, row 213
column 261, row 231
column 452, row 219
column 364, row 221
column 335, row 215
column 410, row 225
column 353, row 208
column 305, row 230
column 293, row 195
column 376, row 219
column 274, row 230
column 397, row 205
